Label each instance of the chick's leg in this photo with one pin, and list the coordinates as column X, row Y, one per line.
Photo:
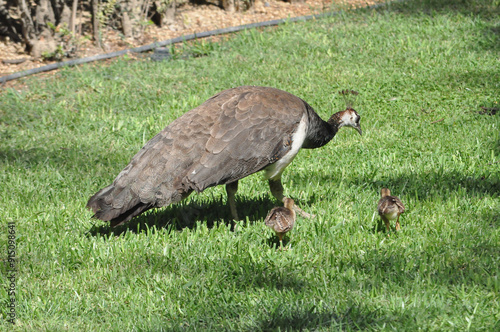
column 387, row 224
column 398, row 226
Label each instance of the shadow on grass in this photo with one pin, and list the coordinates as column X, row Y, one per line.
column 295, row 316
column 245, row 274
column 30, row 157
column 469, row 261
column 488, row 9
column 64, row 158
column 186, row 215
column 439, row 183
column 274, row 242
column 457, row 78
column 300, row 318
column 465, row 7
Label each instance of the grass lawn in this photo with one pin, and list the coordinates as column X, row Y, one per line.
column 423, row 69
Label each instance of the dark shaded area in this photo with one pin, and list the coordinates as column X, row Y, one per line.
column 187, row 213
column 10, row 27
column 62, row 159
column 488, row 110
column 300, row 318
column 486, row 8
column 274, row 242
column 35, row 156
column 245, row 274
column 379, row 226
column 207, row 3
column 457, row 78
column 440, row 183
column 297, row 316
column 436, row 263
column 424, row 186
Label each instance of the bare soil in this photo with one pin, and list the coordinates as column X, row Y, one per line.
column 189, row 18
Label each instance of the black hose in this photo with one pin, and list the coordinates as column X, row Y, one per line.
column 180, row 39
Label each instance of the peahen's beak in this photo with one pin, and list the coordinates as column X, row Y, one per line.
column 358, row 128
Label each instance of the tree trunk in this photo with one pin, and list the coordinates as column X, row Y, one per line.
column 170, row 13
column 126, row 25
column 163, row 12
column 228, row 5
column 96, row 29
column 11, row 28
column 131, row 17
column 236, row 5
column 48, row 27
column 73, row 17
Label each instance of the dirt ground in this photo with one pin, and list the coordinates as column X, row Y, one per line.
column 190, row 18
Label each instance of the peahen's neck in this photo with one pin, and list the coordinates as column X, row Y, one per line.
column 321, row 132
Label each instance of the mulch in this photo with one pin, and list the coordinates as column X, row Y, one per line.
column 190, row 18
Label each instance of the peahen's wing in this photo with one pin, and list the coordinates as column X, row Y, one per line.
column 255, row 129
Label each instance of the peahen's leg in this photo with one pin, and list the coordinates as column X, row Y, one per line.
column 231, row 189
column 277, row 191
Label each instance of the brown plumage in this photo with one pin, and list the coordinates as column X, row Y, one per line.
column 390, row 208
column 233, row 134
column 282, row 219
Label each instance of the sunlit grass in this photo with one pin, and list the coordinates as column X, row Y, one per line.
column 423, row 74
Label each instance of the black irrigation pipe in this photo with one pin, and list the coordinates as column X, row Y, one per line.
column 176, row 40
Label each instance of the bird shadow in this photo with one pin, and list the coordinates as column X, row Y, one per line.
column 188, row 214
column 274, row 242
column 263, row 274
column 287, row 317
column 379, row 226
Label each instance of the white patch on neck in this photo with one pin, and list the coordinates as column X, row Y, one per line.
column 274, row 171
column 347, row 119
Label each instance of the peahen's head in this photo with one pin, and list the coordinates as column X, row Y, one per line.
column 350, row 118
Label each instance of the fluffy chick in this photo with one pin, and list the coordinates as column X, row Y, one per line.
column 390, row 208
column 282, row 219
